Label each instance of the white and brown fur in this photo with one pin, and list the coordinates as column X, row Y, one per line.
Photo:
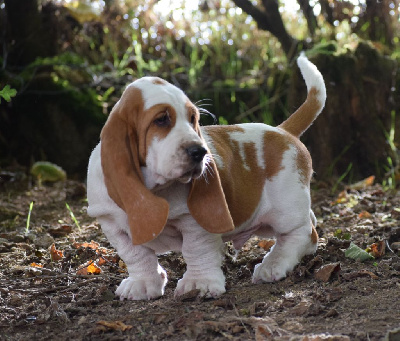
column 159, row 182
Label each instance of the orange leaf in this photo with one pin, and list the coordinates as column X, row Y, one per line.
column 101, row 261
column 363, row 183
column 36, row 265
column 115, row 325
column 91, row 269
column 266, row 244
column 342, row 198
column 378, row 249
column 364, row 215
column 92, row 245
column 56, row 254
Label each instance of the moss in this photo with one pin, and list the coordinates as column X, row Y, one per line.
column 326, row 48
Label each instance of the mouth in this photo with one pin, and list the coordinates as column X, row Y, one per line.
column 194, row 173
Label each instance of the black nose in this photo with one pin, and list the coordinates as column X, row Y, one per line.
column 196, row 153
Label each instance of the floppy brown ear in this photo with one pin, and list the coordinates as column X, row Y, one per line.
column 147, row 213
column 207, row 202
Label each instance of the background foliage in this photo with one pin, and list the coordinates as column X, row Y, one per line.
column 70, row 60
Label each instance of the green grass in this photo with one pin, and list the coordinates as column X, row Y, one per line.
column 73, row 216
column 28, row 220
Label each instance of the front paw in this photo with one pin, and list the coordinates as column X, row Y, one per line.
column 140, row 288
column 210, row 285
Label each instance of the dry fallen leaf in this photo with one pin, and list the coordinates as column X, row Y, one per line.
column 364, row 215
column 101, row 261
column 90, row 269
column 302, row 308
column 325, row 272
column 341, row 198
column 56, row 254
column 266, row 244
column 92, row 245
column 363, row 183
column 60, row 231
column 114, row 325
column 36, row 265
column 378, row 249
column 362, row 273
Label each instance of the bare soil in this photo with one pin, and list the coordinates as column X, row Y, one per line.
column 48, row 291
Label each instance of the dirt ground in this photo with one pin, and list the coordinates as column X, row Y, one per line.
column 57, row 281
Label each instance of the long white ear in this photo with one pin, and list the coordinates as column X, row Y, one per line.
column 147, row 213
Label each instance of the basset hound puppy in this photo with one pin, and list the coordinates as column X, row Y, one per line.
column 159, row 182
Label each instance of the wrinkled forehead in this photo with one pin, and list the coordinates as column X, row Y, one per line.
column 158, row 91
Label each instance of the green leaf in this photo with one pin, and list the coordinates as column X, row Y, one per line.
column 342, row 235
column 47, row 171
column 356, row 253
column 7, row 93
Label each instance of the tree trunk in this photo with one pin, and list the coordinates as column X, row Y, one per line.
column 351, row 129
column 309, row 15
column 270, row 20
column 31, row 37
column 377, row 17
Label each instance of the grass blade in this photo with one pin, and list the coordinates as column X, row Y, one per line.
column 73, row 216
column 28, row 220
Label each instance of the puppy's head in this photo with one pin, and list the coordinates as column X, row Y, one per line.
column 173, row 148
column 154, row 126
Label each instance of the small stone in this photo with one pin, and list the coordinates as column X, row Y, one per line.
column 395, row 246
column 293, row 326
column 302, row 308
column 43, row 241
column 16, row 300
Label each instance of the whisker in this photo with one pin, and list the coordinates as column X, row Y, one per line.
column 202, row 100
column 204, row 111
column 215, row 156
column 205, row 177
column 209, row 169
column 204, row 104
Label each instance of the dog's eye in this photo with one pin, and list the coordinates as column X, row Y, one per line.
column 193, row 120
column 163, row 121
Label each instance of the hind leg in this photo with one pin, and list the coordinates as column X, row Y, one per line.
column 286, row 254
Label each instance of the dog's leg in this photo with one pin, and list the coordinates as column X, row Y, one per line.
column 287, row 252
column 147, row 279
column 292, row 221
column 202, row 252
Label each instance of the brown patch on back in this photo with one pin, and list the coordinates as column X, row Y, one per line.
column 314, row 235
column 243, row 194
column 159, row 81
column 303, row 161
column 275, row 145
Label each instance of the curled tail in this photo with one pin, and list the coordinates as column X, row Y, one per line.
column 304, row 116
